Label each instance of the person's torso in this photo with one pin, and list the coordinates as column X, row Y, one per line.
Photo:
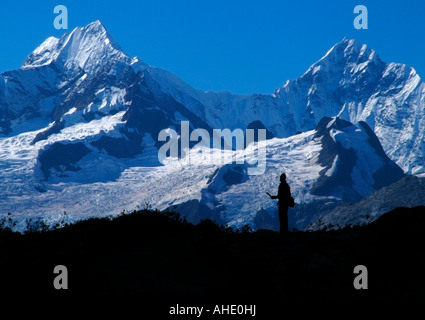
column 284, row 193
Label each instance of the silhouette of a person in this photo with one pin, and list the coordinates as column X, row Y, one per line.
column 283, row 195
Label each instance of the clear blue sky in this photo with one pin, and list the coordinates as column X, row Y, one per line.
column 241, row 46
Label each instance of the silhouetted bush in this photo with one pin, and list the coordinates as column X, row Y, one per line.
column 209, row 226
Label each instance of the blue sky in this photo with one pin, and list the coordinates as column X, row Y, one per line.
column 240, row 46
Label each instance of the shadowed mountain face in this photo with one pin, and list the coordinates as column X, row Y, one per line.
column 353, row 160
column 408, row 192
column 62, row 158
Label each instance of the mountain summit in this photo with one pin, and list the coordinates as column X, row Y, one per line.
column 347, row 52
column 86, row 48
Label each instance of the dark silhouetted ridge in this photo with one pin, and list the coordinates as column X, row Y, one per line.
column 162, row 258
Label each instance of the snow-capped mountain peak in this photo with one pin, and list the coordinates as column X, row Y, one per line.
column 351, row 49
column 85, row 47
column 348, row 58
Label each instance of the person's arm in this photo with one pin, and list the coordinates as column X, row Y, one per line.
column 273, row 197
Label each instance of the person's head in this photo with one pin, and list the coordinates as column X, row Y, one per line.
column 282, row 177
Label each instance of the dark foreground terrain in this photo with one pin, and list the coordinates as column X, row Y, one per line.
column 161, row 258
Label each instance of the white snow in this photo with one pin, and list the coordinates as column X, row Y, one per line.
column 333, row 168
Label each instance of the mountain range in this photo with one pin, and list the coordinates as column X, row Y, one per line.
column 80, row 121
